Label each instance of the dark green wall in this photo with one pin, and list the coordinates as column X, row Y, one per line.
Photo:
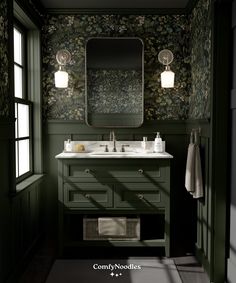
column 20, row 214
column 176, row 134
column 190, row 98
column 232, row 238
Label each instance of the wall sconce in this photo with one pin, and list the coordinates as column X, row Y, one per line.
column 167, row 77
column 61, row 76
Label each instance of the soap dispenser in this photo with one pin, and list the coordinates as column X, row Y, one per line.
column 157, row 143
column 68, row 146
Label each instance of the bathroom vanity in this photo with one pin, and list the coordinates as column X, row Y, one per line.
column 134, row 187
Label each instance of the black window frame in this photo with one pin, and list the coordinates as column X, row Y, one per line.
column 25, row 101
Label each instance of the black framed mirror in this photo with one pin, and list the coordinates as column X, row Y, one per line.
column 114, row 71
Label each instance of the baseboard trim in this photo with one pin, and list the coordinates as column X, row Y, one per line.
column 201, row 258
column 231, row 271
column 22, row 264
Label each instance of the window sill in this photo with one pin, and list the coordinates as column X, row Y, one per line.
column 28, row 182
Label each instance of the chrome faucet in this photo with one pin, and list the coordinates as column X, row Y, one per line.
column 113, row 139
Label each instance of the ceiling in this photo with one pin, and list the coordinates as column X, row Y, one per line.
column 115, row 4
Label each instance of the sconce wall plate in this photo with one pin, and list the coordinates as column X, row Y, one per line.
column 63, row 57
column 166, row 57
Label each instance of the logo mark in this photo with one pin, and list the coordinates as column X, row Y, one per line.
column 115, row 274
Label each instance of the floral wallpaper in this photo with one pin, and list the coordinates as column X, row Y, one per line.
column 106, row 85
column 201, row 40
column 156, row 31
column 4, row 99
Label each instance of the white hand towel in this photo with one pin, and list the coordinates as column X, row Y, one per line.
column 190, row 169
column 198, row 191
column 112, row 226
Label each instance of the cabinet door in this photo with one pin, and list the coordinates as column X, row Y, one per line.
column 88, row 195
column 145, row 196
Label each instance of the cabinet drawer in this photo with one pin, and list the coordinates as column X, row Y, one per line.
column 119, row 171
column 138, row 172
column 140, row 195
column 91, row 195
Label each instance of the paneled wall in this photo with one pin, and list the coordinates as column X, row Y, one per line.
column 5, row 207
column 26, row 224
column 20, row 213
column 183, row 206
column 232, row 240
column 204, row 230
column 191, row 97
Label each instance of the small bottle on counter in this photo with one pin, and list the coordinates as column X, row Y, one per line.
column 68, row 146
column 144, row 144
column 158, row 143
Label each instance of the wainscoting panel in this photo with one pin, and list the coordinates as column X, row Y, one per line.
column 21, row 213
column 231, row 261
column 5, row 203
column 204, row 241
column 176, row 135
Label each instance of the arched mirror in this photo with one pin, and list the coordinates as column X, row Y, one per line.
column 114, row 82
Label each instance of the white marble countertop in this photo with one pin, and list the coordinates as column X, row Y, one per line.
column 93, row 150
column 131, row 155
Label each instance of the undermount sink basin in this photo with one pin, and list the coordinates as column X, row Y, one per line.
column 119, row 153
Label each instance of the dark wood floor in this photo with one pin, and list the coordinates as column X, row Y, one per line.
column 40, row 264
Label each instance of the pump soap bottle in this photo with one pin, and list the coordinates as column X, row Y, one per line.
column 158, row 143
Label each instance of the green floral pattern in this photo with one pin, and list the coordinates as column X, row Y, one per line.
column 187, row 36
column 114, row 91
column 156, row 31
column 4, row 86
column 201, row 40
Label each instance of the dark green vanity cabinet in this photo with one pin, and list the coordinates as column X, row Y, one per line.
column 92, row 187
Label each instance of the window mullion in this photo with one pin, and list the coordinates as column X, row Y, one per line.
column 19, row 65
column 23, row 137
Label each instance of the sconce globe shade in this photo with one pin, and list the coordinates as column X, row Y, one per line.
column 61, row 79
column 167, row 79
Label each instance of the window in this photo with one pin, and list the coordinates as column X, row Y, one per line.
column 23, row 107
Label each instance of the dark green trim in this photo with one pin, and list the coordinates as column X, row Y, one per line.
column 76, row 127
column 220, row 131
column 35, row 12
column 32, row 180
column 165, row 127
column 7, row 129
column 117, row 11
column 203, row 126
column 201, row 258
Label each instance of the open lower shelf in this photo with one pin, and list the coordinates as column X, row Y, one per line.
column 123, row 243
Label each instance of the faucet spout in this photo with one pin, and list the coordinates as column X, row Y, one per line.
column 113, row 139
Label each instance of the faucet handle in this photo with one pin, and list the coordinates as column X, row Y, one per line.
column 123, row 147
column 106, row 147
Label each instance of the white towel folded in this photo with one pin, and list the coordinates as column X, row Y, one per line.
column 193, row 175
column 198, row 192
column 112, row 226
column 190, row 169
